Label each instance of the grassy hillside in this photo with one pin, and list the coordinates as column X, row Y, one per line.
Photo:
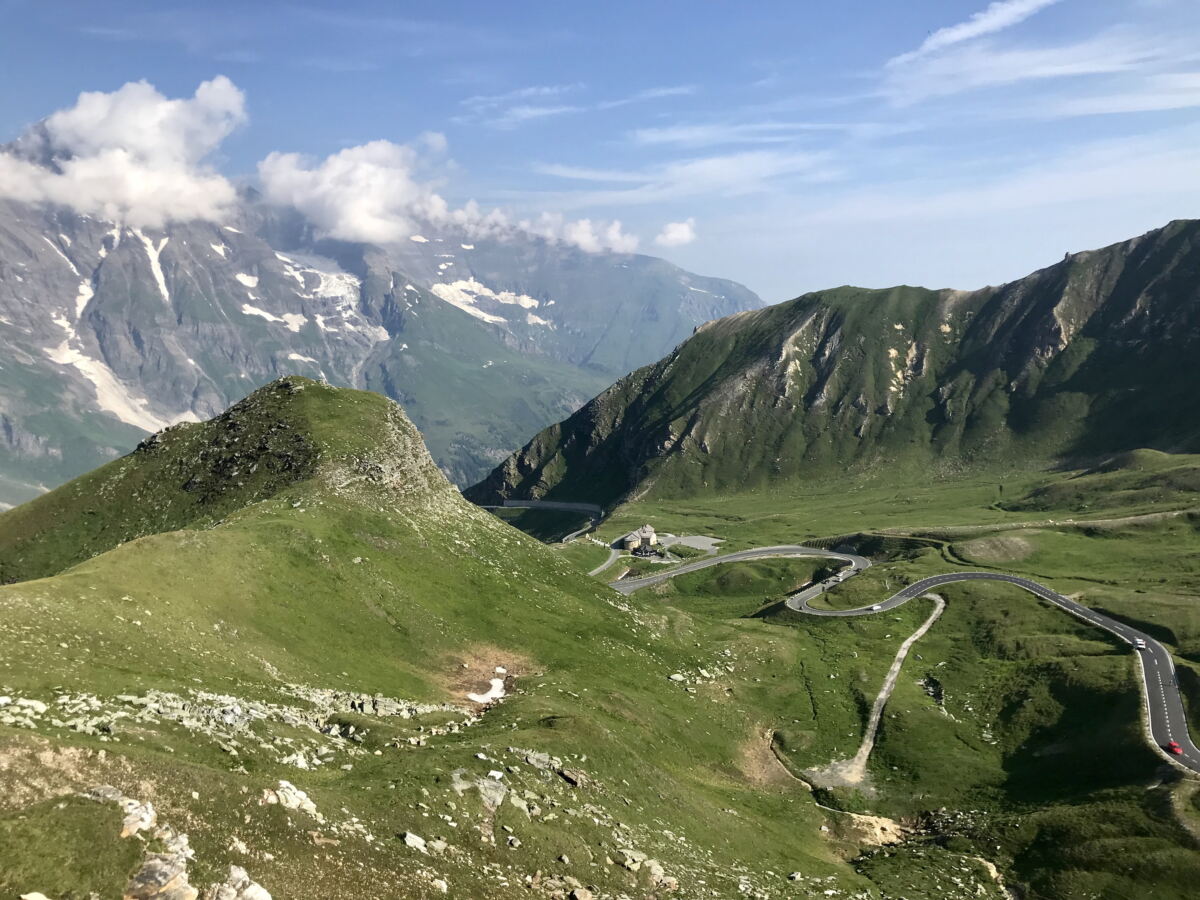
column 323, row 625
column 296, row 662
column 1076, row 362
column 1014, row 731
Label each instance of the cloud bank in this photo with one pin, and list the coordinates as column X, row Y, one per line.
column 131, row 156
column 138, row 158
column 381, row 193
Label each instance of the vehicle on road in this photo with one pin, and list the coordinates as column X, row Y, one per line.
column 1139, row 644
column 1173, row 747
column 877, row 607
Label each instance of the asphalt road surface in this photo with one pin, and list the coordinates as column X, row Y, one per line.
column 857, row 564
column 1164, row 704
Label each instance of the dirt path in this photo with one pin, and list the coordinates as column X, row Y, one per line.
column 852, row 772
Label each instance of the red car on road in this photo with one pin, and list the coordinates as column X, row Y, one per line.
column 1173, row 747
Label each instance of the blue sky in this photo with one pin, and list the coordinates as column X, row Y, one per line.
column 792, row 145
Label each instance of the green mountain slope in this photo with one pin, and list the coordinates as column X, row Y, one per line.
column 1092, row 356
column 268, row 627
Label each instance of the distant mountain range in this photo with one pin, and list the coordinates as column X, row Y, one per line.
column 1097, row 354
column 109, row 332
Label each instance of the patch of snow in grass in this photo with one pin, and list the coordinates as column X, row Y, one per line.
column 495, row 692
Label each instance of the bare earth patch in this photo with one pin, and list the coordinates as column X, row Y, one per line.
column 32, row 769
column 474, row 669
column 867, row 831
column 1001, row 548
column 757, row 762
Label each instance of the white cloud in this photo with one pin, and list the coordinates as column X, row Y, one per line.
column 1155, row 93
column 512, row 108
column 366, row 193
column 1148, row 168
column 518, row 115
column 728, row 175
column 677, row 234
column 495, row 101
column 731, row 133
column 655, row 93
column 132, row 156
column 378, row 193
column 998, row 16
column 592, row 237
column 982, row 65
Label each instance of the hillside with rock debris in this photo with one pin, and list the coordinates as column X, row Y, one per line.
column 1092, row 356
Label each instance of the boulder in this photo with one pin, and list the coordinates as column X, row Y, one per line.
column 237, row 886
column 415, row 841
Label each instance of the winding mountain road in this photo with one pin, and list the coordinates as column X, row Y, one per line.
column 1164, row 703
column 857, row 564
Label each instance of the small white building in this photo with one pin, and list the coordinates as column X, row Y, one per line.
column 642, row 539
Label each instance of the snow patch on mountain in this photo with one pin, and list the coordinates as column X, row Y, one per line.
column 111, row 395
column 54, row 247
column 115, row 234
column 154, row 254
column 468, row 293
column 293, row 321
column 337, row 292
column 459, row 294
column 249, row 281
column 83, row 297
column 219, row 249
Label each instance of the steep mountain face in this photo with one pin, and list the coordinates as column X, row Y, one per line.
column 1096, row 354
column 110, row 332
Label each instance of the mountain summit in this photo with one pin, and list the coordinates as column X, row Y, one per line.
column 1093, row 355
